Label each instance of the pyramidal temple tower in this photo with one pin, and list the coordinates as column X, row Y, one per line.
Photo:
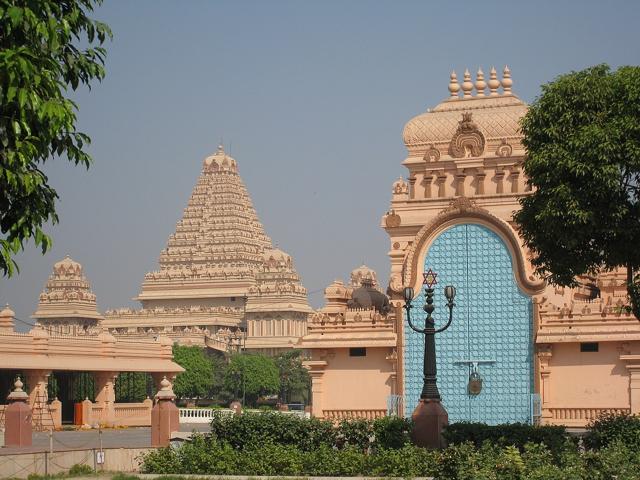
column 220, row 282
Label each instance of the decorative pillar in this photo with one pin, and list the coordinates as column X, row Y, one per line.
column 515, row 176
column 480, row 176
column 17, row 418
column 442, row 178
column 426, row 183
column 316, row 370
column 545, row 352
column 165, row 416
column 37, row 381
column 634, row 388
column 412, row 186
column 499, row 180
column 461, row 176
column 106, row 396
column 633, row 367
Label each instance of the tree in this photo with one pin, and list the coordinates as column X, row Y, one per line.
column 40, row 58
column 294, row 377
column 252, row 376
column 197, row 380
column 582, row 137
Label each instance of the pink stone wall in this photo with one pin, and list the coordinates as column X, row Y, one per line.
column 588, row 379
column 357, row 383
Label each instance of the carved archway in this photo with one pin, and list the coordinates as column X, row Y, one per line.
column 463, row 210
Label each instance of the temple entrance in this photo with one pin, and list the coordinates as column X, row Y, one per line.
column 70, row 387
column 490, row 338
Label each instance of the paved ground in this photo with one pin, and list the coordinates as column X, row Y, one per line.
column 85, row 439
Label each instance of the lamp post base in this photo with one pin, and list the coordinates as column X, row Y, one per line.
column 429, row 419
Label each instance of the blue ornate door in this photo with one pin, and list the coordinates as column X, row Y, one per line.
column 491, row 327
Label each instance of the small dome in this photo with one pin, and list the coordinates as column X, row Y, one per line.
column 495, row 117
column 67, row 266
column 220, row 161
column 336, row 290
column 363, row 273
column 277, row 258
column 368, row 297
column 7, row 312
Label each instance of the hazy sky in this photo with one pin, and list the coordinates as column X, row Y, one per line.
column 309, row 97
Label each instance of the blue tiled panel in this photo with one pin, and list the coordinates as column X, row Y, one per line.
column 492, row 321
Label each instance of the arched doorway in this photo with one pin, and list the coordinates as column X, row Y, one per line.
column 492, row 328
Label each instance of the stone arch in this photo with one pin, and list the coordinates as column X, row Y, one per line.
column 462, row 210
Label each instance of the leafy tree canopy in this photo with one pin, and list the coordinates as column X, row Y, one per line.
column 582, row 136
column 40, row 58
column 254, row 374
column 198, row 378
column 294, row 377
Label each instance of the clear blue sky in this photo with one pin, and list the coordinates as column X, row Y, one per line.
column 311, row 99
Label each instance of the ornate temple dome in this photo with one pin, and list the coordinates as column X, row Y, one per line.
column 277, row 258
column 495, row 117
column 363, row 274
column 6, row 319
column 67, row 294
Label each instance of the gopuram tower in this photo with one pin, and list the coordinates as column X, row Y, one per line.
column 67, row 305
column 220, row 283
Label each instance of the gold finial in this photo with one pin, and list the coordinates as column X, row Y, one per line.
column 506, row 81
column 454, row 88
column 467, row 85
column 480, row 83
column 494, row 83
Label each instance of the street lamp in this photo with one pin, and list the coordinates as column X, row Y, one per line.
column 429, row 417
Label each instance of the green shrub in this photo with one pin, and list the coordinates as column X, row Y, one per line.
column 80, row 469
column 465, row 461
column 255, row 428
column 509, row 434
column 610, row 428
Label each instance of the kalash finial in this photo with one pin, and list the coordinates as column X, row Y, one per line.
column 467, row 85
column 165, row 392
column 18, row 394
column 506, row 80
column 454, row 87
column 480, row 83
column 494, row 83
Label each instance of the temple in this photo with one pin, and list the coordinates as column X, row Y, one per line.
column 518, row 349
column 67, row 305
column 221, row 283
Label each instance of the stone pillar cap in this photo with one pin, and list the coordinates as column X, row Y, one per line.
column 165, row 392
column 18, row 395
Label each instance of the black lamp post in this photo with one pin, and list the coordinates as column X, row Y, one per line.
column 429, row 417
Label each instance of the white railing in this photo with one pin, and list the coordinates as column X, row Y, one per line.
column 205, row 415
column 200, row 415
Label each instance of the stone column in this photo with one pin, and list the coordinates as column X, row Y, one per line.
column 17, row 418
column 634, row 388
column 480, row 175
column 426, row 183
column 515, row 177
column 106, row 397
column 412, row 186
column 442, row 179
column 499, row 180
column 545, row 353
column 165, row 416
column 316, row 370
column 461, row 177
column 37, row 381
